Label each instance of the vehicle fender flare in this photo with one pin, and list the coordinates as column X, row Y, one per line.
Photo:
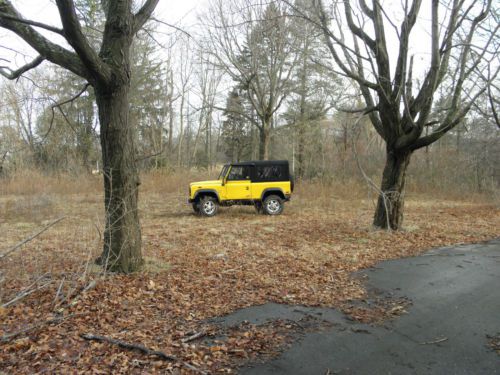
column 269, row 191
column 204, row 192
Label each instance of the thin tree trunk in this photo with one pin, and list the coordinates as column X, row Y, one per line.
column 122, row 235
column 264, row 142
column 196, row 140
column 300, row 149
column 217, row 144
column 181, row 133
column 208, row 139
column 171, row 117
column 389, row 211
column 302, row 119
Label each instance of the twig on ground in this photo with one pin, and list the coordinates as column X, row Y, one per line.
column 76, row 295
column 25, row 294
column 139, row 347
column 194, row 337
column 58, row 291
column 434, row 342
column 27, row 291
column 9, row 336
column 14, row 248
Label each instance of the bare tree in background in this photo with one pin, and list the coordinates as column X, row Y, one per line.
column 463, row 41
column 108, row 71
column 252, row 43
column 23, row 111
column 185, row 74
column 208, row 81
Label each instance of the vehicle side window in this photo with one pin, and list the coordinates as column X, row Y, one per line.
column 239, row 173
column 270, row 173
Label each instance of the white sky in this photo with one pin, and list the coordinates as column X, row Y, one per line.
column 168, row 10
column 183, row 13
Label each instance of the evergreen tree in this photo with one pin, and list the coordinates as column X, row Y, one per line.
column 235, row 134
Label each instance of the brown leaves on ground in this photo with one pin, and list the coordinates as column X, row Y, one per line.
column 494, row 342
column 197, row 269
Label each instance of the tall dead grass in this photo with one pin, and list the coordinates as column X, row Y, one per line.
column 38, row 189
column 32, row 182
column 164, row 182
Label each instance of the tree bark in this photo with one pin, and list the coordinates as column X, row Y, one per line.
column 122, row 235
column 300, row 150
column 389, row 211
column 264, row 142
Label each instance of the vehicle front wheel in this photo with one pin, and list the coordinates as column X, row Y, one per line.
column 196, row 207
column 208, row 206
column 273, row 205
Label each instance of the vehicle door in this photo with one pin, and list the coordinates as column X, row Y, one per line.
column 238, row 184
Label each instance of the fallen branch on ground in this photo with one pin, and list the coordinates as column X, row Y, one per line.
column 14, row 248
column 434, row 342
column 193, row 337
column 139, row 347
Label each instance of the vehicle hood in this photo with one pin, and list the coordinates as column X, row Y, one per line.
column 209, row 183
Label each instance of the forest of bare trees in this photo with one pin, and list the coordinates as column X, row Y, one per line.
column 379, row 93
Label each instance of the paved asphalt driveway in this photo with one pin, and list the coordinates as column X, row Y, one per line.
column 455, row 293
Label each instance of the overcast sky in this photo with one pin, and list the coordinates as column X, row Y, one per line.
column 168, row 10
column 183, row 13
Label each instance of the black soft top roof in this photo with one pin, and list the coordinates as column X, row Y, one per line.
column 261, row 162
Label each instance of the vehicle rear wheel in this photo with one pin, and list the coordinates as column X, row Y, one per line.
column 208, row 206
column 273, row 205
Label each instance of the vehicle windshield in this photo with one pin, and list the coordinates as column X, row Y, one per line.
column 223, row 173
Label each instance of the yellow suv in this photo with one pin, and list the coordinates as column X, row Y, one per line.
column 263, row 184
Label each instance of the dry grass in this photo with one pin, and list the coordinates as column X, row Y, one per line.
column 198, row 268
column 32, row 182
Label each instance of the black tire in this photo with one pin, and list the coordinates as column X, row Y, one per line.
column 258, row 207
column 196, row 207
column 208, row 206
column 273, row 205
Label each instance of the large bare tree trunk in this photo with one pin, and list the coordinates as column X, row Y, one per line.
column 122, row 235
column 389, row 212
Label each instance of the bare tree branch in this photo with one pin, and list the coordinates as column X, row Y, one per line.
column 144, row 14
column 74, row 35
column 493, row 103
column 172, row 26
column 17, row 73
column 47, row 49
column 32, row 23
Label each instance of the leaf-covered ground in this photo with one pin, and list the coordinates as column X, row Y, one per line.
column 196, row 269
